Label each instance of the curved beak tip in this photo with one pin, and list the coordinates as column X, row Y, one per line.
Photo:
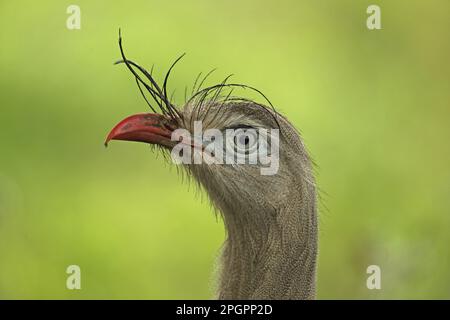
column 143, row 127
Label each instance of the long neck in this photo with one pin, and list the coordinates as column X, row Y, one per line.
column 270, row 254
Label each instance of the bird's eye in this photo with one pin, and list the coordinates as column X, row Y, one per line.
column 245, row 141
column 242, row 140
column 245, row 145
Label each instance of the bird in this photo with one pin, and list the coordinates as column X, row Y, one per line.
column 271, row 221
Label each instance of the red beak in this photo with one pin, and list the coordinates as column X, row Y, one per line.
column 151, row 128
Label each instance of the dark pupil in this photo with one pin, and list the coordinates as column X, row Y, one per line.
column 244, row 140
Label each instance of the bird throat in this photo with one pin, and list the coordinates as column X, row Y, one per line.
column 266, row 257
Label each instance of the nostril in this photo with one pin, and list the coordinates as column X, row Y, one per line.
column 168, row 125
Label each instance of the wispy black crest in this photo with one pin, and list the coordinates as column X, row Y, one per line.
column 158, row 94
column 201, row 98
column 212, row 95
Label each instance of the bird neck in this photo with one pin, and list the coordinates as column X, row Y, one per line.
column 270, row 254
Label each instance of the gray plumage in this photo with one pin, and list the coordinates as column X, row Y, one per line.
column 271, row 221
column 270, row 249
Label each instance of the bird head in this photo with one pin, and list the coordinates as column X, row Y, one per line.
column 253, row 165
column 210, row 126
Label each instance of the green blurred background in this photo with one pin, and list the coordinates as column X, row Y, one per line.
column 373, row 107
